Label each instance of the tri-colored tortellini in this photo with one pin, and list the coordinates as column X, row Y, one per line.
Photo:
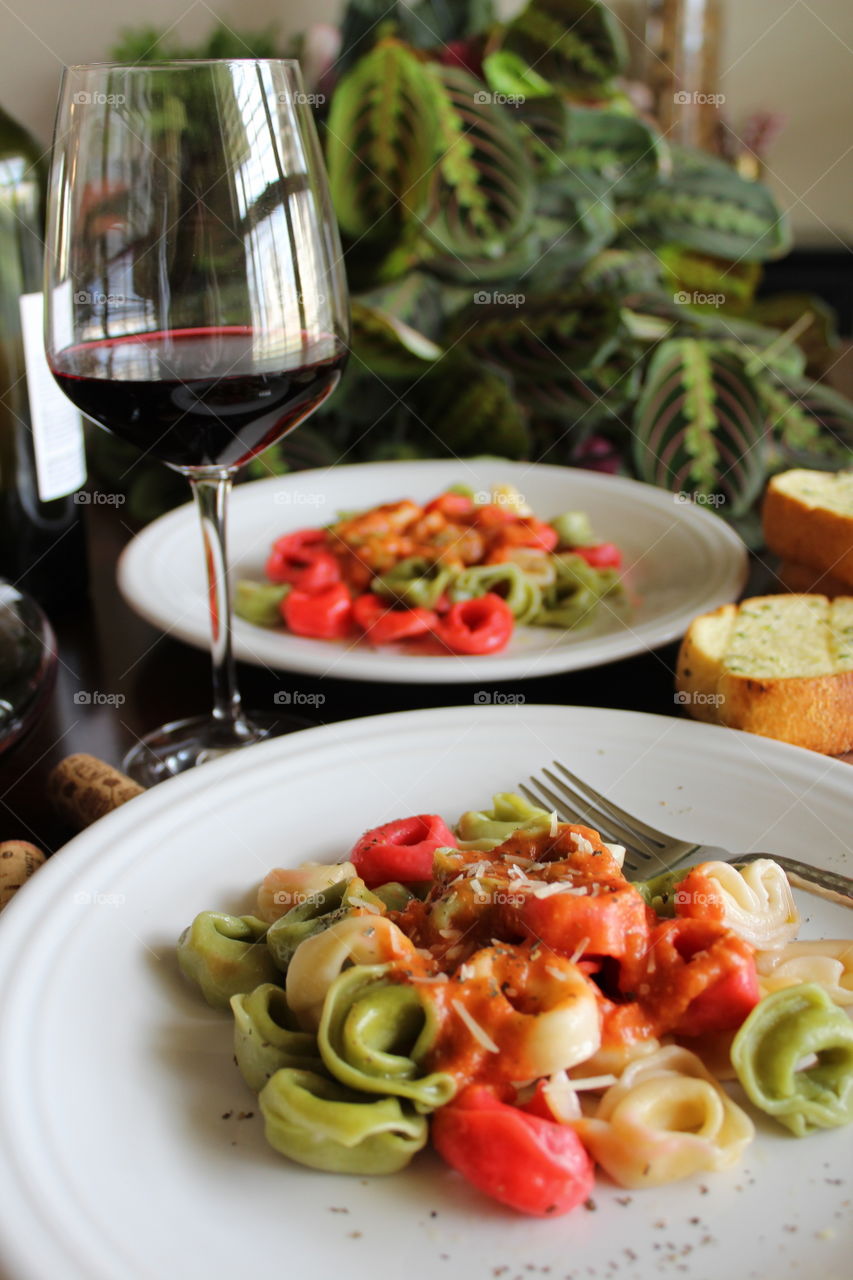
column 529, row 971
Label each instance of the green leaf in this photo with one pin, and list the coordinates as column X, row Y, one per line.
column 482, row 190
column 623, row 272
column 699, row 425
column 387, row 345
column 706, row 206
column 615, row 152
column 813, row 423
column 507, row 73
column 468, row 409
column 380, row 142
column 552, row 336
column 575, row 44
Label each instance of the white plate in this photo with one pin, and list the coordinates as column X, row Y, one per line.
column 116, row 1161
column 681, row 561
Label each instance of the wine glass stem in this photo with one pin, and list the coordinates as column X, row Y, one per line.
column 211, row 498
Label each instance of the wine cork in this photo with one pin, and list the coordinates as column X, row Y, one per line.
column 82, row 789
column 18, row 861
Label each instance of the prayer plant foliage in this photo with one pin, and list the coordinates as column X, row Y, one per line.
column 528, row 259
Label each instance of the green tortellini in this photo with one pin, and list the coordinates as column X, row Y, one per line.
column 659, row 891
column 573, row 529
column 522, row 594
column 267, row 1036
column 375, row 1034
column 258, row 602
column 571, row 601
column 782, row 1030
column 416, row 582
column 225, row 955
column 320, row 1123
column 393, row 895
column 315, row 914
column 486, row 829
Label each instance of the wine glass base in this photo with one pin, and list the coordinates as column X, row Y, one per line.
column 184, row 744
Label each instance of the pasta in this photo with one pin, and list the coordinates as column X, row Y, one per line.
column 316, row 914
column 317, row 962
column 501, row 989
column 458, row 573
column 375, row 1035
column 665, row 1119
column 225, row 956
column 509, row 580
column 781, row 1033
column 829, row 964
column 320, row 1123
column 282, row 888
column 754, row 899
column 268, row 1037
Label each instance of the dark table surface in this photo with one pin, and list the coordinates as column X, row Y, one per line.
column 118, row 678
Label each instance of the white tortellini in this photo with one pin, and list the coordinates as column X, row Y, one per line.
column 828, row 963
column 287, row 887
column 665, row 1119
column 757, row 901
column 358, row 939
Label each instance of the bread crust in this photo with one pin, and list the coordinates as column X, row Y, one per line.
column 813, row 536
column 808, row 711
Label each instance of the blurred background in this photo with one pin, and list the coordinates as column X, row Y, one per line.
column 789, row 60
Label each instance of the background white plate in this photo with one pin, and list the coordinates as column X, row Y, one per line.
column 681, row 560
column 117, row 1161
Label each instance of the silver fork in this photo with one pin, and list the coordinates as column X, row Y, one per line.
column 650, row 852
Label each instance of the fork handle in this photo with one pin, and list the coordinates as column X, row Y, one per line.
column 831, row 885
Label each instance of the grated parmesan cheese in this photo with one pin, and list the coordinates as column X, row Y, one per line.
column 579, row 950
column 581, row 843
column 482, row 1037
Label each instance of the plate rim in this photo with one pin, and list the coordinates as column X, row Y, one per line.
column 319, row 660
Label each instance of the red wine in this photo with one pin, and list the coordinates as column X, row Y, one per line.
column 198, row 397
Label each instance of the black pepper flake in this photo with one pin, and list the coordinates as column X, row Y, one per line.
column 226, row 1115
column 703, row 1190
column 433, row 1213
column 334, row 1209
column 245, row 1115
column 590, row 1204
column 624, row 1199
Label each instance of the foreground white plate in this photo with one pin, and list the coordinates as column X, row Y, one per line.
column 117, row 1160
column 681, row 561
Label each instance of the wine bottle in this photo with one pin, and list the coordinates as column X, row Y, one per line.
column 42, row 462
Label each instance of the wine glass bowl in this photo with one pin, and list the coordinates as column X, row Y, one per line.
column 196, row 303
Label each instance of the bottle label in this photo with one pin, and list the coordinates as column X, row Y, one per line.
column 57, row 425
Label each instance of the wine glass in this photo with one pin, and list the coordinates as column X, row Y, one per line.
column 196, row 303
